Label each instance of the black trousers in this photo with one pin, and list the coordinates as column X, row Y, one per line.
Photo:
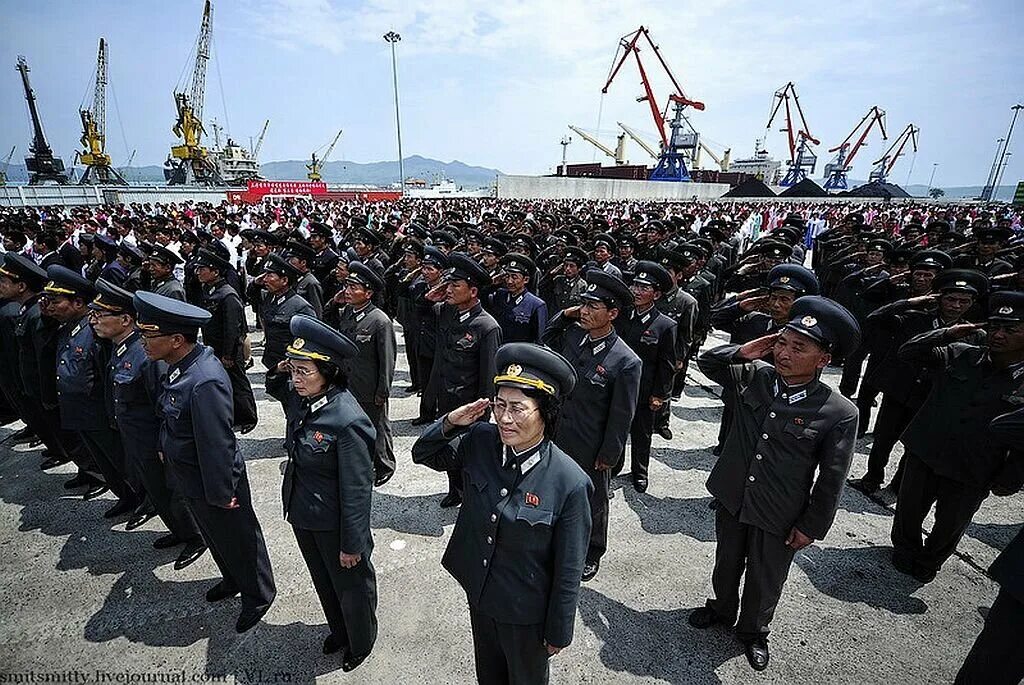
column 766, row 560
column 46, row 425
column 893, row 418
column 347, row 596
column 241, row 393
column 996, row 657
column 865, row 398
column 599, row 510
column 640, row 432
column 852, row 366
column 428, row 396
column 955, row 505
column 236, row 542
column 105, row 447
column 507, row 654
column 411, row 354
column 384, row 448
column 169, row 506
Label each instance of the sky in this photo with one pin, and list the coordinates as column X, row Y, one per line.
column 495, row 84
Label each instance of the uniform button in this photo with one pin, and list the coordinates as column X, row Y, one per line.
column 750, row 478
column 503, row 492
column 485, row 562
column 785, row 396
column 490, row 540
column 772, row 414
column 62, row 361
column 764, row 436
column 758, row 457
column 494, row 517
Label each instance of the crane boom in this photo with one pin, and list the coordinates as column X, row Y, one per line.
column 259, row 141
column 315, row 165
column 98, row 167
column 884, row 165
column 618, row 154
column 198, row 91
column 639, row 141
column 40, row 163
column 6, row 166
column 802, row 159
column 836, row 170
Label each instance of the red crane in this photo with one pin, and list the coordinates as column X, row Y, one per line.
column 674, row 140
column 801, row 159
column 835, row 171
column 884, row 165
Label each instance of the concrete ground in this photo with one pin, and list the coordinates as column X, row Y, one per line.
column 84, row 601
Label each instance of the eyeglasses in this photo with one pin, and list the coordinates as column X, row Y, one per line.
column 517, row 412
column 300, row 371
column 154, row 336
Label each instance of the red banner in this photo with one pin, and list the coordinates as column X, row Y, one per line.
column 260, row 188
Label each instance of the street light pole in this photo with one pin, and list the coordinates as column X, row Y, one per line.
column 1006, row 150
column 932, row 178
column 393, row 38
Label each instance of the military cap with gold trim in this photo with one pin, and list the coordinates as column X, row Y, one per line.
column 365, row 276
column 166, row 315
column 64, row 281
column 112, row 298
column 18, row 267
column 528, row 366
column 316, row 341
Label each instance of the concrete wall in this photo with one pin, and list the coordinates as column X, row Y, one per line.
column 568, row 188
column 165, row 195
column 75, row 195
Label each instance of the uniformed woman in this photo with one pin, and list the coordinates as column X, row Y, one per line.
column 327, row 486
column 521, row 538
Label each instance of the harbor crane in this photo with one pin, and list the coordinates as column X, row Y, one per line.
column 676, row 143
column 315, row 165
column 618, row 154
column 722, row 162
column 835, row 171
column 884, row 165
column 802, row 159
column 190, row 161
column 98, row 169
column 41, row 165
column 6, row 166
column 255, row 151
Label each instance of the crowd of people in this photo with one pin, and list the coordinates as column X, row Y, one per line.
column 571, row 325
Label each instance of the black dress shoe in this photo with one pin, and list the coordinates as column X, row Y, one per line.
column 665, row 432
column 122, row 507
column 350, row 663
column 640, row 484
column 902, row 563
column 452, row 499
column 250, row 617
column 413, row 388
column 52, row 463
column 79, row 481
column 247, row 428
column 868, row 487
column 922, row 574
column 383, row 479
column 331, row 644
column 138, row 519
column 590, row 570
column 704, row 617
column 250, row 363
column 757, row 653
column 221, row 591
column 94, row 491
column 34, row 442
column 420, row 421
column 192, row 551
column 167, row 541
column 25, row 435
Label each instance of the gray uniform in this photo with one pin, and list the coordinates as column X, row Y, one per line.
column 276, row 312
column 169, row 287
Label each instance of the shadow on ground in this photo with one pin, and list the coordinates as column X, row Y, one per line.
column 861, row 575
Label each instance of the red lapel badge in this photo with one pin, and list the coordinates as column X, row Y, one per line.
column 318, row 436
column 532, row 499
column 798, row 421
column 600, row 369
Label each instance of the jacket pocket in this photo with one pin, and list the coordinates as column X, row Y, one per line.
column 534, row 516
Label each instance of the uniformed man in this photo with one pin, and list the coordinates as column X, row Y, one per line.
column 467, row 338
column 198, row 444
column 989, row 240
column 308, row 287
column 652, row 336
column 778, row 482
column 280, row 303
column 133, row 382
column 570, row 284
column 162, row 263
column 596, row 418
column 681, row 307
column 522, row 315
column 520, row 540
column 904, row 385
column 949, row 461
column 81, row 370
column 225, row 332
column 371, row 371
column 604, row 247
column 425, row 295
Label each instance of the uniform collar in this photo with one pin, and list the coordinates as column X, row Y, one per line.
column 127, row 342
column 175, row 370
column 316, row 404
column 525, row 459
column 791, row 394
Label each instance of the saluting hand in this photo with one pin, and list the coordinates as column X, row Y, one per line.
column 468, row 413
column 757, row 349
column 571, row 312
column 749, row 304
column 962, row 330
column 349, row 560
column 797, row 540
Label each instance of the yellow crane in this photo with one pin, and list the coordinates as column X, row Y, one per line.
column 190, row 162
column 618, row 154
column 316, row 165
column 98, row 168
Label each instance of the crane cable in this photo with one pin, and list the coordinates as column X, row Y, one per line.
column 220, row 82
column 600, row 111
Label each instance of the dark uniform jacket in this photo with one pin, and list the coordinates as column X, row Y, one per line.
column 522, row 318
column 114, row 272
column 10, row 371
column 463, row 368
column 227, row 327
column 135, row 385
column 276, row 312
column 309, row 289
column 597, row 415
column 81, row 370
column 652, row 335
column 778, row 439
column 170, row 287
column 425, row 318
column 950, row 432
column 681, row 307
column 742, row 326
column 371, row 372
column 196, row 433
column 521, row 539
column 329, row 476
column 28, row 333
column 567, row 292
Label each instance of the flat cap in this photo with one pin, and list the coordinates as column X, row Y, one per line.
column 931, row 259
column 795, row 277
column 161, row 314
column 606, row 288
column 277, row 264
column 210, row 259
column 64, row 281
column 164, row 255
column 293, row 248
column 432, row 255
column 519, row 264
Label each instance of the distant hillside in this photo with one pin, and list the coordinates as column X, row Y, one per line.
column 372, row 173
